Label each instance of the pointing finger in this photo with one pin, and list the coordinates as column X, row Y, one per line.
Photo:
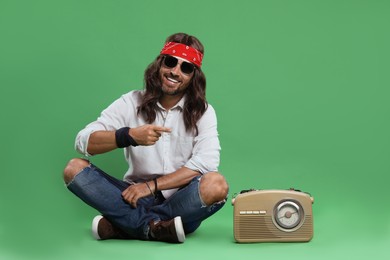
column 162, row 129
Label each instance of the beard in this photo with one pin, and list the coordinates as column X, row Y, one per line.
column 173, row 85
column 172, row 92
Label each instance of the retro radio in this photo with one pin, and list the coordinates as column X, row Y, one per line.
column 273, row 216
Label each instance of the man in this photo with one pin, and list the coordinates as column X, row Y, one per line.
column 170, row 140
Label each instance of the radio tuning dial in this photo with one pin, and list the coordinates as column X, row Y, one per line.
column 288, row 215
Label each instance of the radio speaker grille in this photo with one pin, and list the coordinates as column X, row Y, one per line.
column 262, row 228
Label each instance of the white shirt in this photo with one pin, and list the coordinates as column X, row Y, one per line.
column 172, row 151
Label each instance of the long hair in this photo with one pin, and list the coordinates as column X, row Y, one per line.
column 195, row 104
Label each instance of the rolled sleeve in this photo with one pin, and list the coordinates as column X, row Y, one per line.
column 112, row 118
column 81, row 143
column 206, row 152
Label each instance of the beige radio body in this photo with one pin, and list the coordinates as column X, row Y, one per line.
column 273, row 216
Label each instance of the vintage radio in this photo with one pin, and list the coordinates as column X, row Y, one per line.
column 273, row 216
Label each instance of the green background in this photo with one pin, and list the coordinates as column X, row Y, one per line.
column 301, row 90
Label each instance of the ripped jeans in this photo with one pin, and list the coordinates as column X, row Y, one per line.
column 104, row 193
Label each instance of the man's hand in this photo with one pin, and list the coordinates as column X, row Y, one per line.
column 147, row 134
column 134, row 192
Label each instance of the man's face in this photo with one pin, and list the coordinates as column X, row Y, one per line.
column 174, row 81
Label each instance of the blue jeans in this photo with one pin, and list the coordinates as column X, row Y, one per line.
column 104, row 193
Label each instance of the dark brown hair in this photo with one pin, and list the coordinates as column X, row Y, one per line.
column 195, row 104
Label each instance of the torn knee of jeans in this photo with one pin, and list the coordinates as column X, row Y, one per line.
column 89, row 166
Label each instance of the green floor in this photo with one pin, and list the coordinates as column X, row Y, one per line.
column 45, row 221
column 301, row 90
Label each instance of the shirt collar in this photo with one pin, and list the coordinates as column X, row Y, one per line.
column 179, row 105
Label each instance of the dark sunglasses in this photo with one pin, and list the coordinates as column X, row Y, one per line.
column 171, row 62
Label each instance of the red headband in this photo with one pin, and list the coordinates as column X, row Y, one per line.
column 183, row 51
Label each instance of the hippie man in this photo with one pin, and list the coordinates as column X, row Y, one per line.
column 169, row 135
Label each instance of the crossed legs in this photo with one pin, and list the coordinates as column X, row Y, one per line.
column 201, row 198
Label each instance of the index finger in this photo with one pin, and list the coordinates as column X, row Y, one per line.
column 161, row 129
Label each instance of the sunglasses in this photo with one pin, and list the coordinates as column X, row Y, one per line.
column 171, row 62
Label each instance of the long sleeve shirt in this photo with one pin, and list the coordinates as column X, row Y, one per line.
column 179, row 148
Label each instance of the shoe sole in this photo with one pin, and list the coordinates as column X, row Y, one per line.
column 181, row 237
column 95, row 224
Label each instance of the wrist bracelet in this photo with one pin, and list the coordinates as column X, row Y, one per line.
column 123, row 138
column 151, row 192
column 155, row 185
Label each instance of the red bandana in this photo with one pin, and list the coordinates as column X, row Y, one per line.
column 183, row 51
